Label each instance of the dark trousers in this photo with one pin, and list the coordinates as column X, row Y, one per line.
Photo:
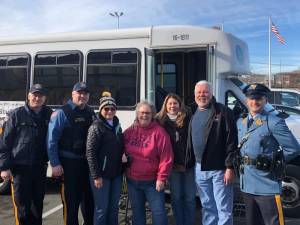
column 28, row 191
column 263, row 209
column 75, row 191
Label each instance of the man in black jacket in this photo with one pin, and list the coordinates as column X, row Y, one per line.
column 23, row 156
column 213, row 137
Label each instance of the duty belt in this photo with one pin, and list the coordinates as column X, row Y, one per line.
column 246, row 160
column 261, row 162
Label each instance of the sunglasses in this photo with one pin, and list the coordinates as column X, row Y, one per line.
column 112, row 109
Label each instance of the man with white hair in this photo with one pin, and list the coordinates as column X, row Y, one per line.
column 213, row 138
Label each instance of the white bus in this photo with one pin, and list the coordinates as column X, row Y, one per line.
column 133, row 64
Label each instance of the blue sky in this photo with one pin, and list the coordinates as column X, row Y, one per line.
column 246, row 19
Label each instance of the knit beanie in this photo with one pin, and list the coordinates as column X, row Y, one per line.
column 106, row 100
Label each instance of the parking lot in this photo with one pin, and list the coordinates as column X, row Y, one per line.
column 53, row 210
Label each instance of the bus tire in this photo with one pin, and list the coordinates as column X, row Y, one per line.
column 4, row 186
column 291, row 192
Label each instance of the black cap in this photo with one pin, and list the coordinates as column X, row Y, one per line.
column 81, row 86
column 256, row 90
column 38, row 88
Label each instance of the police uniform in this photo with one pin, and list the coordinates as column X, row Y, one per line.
column 23, row 152
column 66, row 147
column 260, row 138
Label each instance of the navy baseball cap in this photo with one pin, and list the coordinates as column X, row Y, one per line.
column 256, row 91
column 81, row 86
column 38, row 88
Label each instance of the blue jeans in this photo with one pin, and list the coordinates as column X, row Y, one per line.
column 139, row 192
column 216, row 197
column 106, row 200
column 183, row 193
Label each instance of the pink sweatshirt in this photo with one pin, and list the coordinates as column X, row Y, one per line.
column 150, row 150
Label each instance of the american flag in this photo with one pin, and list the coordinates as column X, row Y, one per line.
column 277, row 34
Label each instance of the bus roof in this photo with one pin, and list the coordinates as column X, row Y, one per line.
column 209, row 35
column 231, row 53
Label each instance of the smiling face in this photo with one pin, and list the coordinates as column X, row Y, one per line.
column 36, row 100
column 172, row 106
column 144, row 115
column 108, row 112
column 203, row 95
column 256, row 105
column 80, row 98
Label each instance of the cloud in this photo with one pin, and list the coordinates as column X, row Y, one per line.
column 245, row 19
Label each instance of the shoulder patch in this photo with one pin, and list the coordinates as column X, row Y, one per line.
column 54, row 114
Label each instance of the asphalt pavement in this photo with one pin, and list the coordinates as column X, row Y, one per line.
column 53, row 214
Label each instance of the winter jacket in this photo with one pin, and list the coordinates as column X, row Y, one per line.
column 220, row 136
column 104, row 148
column 23, row 141
column 68, row 128
column 150, row 150
column 183, row 157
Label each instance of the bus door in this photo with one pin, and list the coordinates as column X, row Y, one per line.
column 178, row 71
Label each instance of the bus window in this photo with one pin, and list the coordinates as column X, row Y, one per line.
column 234, row 104
column 166, row 77
column 58, row 72
column 115, row 71
column 14, row 70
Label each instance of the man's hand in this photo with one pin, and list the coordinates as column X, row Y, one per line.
column 228, row 176
column 57, row 171
column 6, row 174
column 160, row 185
column 98, row 182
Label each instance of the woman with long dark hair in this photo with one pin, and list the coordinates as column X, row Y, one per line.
column 175, row 118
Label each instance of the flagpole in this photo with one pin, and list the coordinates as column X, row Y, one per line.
column 270, row 52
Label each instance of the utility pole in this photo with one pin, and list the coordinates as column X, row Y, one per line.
column 117, row 15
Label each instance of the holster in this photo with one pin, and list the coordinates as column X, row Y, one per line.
column 237, row 162
column 278, row 165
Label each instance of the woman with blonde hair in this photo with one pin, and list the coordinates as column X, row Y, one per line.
column 175, row 119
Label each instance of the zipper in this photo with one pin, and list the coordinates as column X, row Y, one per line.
column 104, row 163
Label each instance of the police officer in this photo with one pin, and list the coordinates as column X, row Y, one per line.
column 262, row 136
column 23, row 156
column 66, row 150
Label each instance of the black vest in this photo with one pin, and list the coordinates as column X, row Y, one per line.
column 73, row 138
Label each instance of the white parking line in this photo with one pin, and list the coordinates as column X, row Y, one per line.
column 51, row 211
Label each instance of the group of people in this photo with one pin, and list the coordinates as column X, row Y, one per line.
column 196, row 151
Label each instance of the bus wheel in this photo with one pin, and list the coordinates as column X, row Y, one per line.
column 291, row 192
column 4, row 186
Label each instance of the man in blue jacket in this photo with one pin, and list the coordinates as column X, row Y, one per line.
column 265, row 141
column 66, row 150
column 23, row 156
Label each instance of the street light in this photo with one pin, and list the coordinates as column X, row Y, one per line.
column 117, row 15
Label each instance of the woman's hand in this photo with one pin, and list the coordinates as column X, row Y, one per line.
column 124, row 158
column 57, row 171
column 160, row 185
column 98, row 182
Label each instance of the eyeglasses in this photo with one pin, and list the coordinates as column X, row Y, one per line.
column 112, row 109
column 145, row 113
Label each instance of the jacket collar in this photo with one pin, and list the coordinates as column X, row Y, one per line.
column 259, row 120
